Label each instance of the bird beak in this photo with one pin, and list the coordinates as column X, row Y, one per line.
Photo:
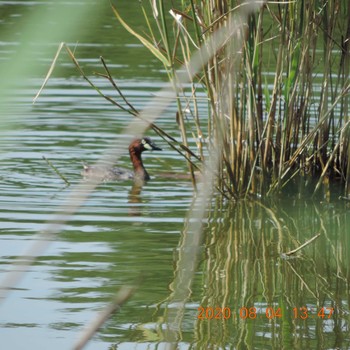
column 155, row 147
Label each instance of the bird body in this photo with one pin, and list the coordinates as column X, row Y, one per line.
column 136, row 148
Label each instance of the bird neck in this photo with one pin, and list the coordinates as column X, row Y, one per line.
column 139, row 169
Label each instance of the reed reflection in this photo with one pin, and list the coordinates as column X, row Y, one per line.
column 253, row 296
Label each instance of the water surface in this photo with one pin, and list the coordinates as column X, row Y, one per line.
column 120, row 237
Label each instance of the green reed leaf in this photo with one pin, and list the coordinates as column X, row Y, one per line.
column 155, row 51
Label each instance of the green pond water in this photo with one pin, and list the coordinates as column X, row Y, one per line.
column 245, row 294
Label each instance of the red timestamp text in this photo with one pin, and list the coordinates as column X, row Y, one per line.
column 225, row 313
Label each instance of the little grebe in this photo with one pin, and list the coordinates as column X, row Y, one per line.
column 140, row 174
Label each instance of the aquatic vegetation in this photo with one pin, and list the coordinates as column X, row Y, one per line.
column 275, row 81
column 264, row 106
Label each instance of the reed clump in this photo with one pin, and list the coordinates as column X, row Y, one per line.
column 278, row 105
